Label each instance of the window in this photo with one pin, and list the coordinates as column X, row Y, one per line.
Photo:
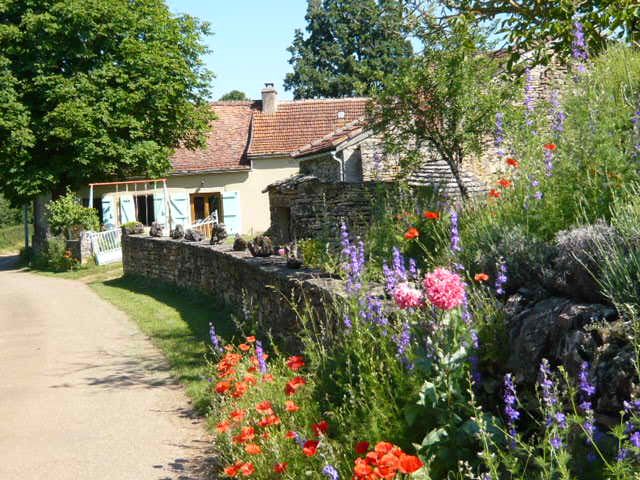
column 205, row 204
column 145, row 212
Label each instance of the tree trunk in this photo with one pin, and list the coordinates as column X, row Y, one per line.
column 454, row 165
column 41, row 229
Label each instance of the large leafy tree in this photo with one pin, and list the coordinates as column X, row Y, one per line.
column 349, row 48
column 234, row 95
column 95, row 90
column 547, row 27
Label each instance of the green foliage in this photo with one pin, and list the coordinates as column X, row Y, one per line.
column 55, row 256
column 445, row 99
column 8, row 214
column 11, row 238
column 235, row 95
column 319, row 254
column 96, row 89
column 351, row 46
column 68, row 217
column 546, row 28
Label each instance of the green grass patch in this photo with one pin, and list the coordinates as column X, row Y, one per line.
column 11, row 239
column 177, row 321
column 88, row 273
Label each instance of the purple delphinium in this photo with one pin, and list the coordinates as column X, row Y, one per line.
column 300, row 440
column 215, row 341
column 330, row 472
column 557, row 115
column 499, row 141
column 347, row 322
column 262, row 363
column 631, row 410
column 354, row 265
column 455, row 232
column 548, row 160
column 510, row 408
column 579, row 45
column 403, row 342
column 555, row 418
column 501, row 277
column 372, row 311
column 529, row 101
column 587, row 390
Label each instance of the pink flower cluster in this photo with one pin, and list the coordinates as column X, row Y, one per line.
column 444, row 289
column 407, row 296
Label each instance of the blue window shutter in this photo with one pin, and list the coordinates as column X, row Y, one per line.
column 160, row 208
column 180, row 214
column 231, row 210
column 127, row 209
column 108, row 211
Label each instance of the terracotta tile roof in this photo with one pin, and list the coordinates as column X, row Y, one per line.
column 298, row 123
column 227, row 142
column 332, row 140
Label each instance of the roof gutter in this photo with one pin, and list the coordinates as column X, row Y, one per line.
column 205, row 172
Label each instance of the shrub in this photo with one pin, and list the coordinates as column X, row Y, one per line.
column 68, row 217
column 55, row 256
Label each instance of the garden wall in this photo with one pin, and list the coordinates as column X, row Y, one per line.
column 236, row 278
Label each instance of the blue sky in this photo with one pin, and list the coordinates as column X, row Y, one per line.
column 249, row 41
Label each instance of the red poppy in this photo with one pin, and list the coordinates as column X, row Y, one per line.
column 246, row 434
column 233, row 470
column 241, row 389
column 252, row 449
column 265, row 408
column 223, row 426
column 412, row 233
column 431, row 215
column 410, row 464
column 362, row 448
column 383, row 447
column 294, row 385
column 295, row 363
column 290, row 435
column 270, row 420
column 238, row 415
column 280, row 467
column 504, row 183
column 267, row 377
column 512, row 162
column 290, row 406
column 223, row 387
column 320, row 428
column 494, row 193
column 244, row 347
column 550, row 146
column 310, row 448
column 251, row 339
column 247, row 469
column 481, row 277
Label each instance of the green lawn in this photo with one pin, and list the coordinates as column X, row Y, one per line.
column 177, row 322
column 11, row 239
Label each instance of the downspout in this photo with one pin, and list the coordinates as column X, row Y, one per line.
column 340, row 162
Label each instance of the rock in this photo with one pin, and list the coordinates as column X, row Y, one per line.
column 575, row 266
column 218, row 234
column 192, row 236
column 156, row 229
column 261, row 246
column 293, row 257
column 239, row 244
column 177, row 233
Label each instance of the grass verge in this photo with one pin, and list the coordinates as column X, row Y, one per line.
column 177, row 321
column 11, row 239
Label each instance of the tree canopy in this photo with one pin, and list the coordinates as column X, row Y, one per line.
column 96, row 89
column 547, row 28
column 234, row 95
column 349, row 47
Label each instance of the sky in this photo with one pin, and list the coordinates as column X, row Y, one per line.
column 249, row 41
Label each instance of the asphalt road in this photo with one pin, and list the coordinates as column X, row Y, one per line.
column 83, row 393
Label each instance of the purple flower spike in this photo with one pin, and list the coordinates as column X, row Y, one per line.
column 215, row 341
column 262, row 363
column 330, row 472
column 510, row 407
column 455, row 232
column 501, row 278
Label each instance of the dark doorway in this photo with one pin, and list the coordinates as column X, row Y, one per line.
column 145, row 212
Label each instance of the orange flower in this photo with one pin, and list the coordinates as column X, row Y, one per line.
column 295, row 363
column 223, row 387
column 512, row 162
column 362, row 447
column 383, row 447
column 247, row 469
column 270, row 420
column 431, row 215
column 223, row 426
column 504, row 183
column 238, row 415
column 388, row 464
column 412, row 233
column 410, row 464
column 250, row 380
column 265, row 408
column 294, row 384
column 244, row 347
column 362, row 469
column 241, row 389
column 290, row 406
column 290, row 435
column 233, row 470
column 280, row 467
column 550, row 146
column 252, row 449
column 267, row 377
column 251, row 339
column 494, row 193
column 481, row 277
column 310, row 448
column 246, row 434
column 320, row 428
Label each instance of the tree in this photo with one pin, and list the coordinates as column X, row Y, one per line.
column 351, row 46
column 445, row 100
column 548, row 27
column 96, row 90
column 236, row 95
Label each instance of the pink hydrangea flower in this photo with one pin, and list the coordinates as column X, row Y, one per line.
column 444, row 289
column 407, row 296
column 282, row 252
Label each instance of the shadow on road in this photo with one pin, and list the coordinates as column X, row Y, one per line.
column 9, row 262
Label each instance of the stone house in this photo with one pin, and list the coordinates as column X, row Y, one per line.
column 249, row 147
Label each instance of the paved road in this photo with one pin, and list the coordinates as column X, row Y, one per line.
column 83, row 394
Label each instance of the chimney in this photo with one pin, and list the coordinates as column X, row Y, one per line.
column 269, row 99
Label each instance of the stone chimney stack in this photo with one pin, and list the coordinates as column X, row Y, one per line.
column 269, row 99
